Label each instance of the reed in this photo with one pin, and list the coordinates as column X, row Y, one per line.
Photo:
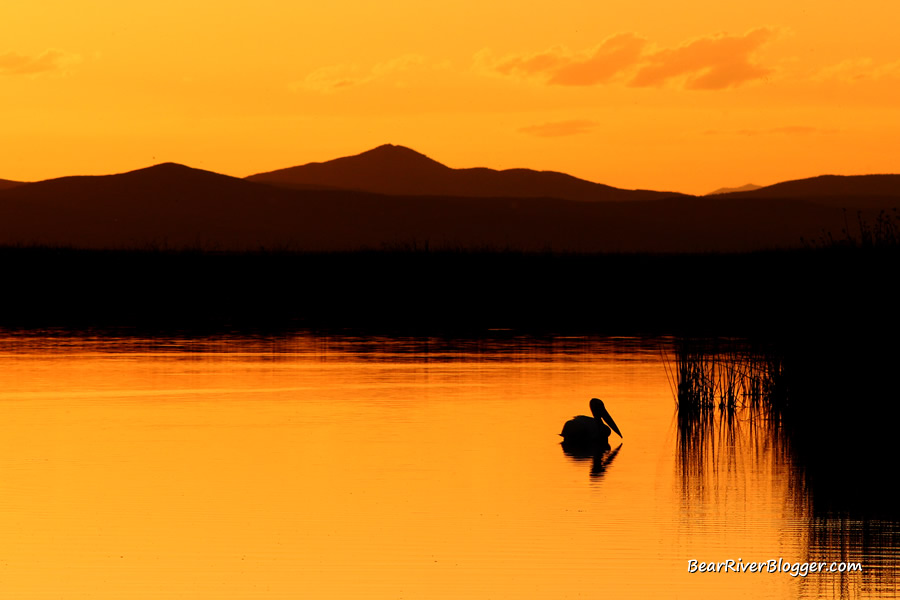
column 879, row 233
column 829, row 400
column 728, row 393
column 729, row 375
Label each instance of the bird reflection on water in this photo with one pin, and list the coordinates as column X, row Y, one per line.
column 602, row 456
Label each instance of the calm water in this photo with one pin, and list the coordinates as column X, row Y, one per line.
column 388, row 468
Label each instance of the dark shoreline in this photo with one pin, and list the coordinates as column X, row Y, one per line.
column 446, row 292
column 826, row 318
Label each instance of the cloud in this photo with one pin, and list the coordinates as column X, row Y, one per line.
column 558, row 66
column 708, row 63
column 785, row 130
column 606, row 61
column 337, row 77
column 399, row 64
column 858, row 70
column 560, row 128
column 332, row 78
column 799, row 130
column 13, row 63
column 533, row 64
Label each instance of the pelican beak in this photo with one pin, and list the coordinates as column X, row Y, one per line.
column 609, row 421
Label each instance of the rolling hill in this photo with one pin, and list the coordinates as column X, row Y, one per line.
column 6, row 184
column 829, row 186
column 174, row 206
column 728, row 190
column 398, row 170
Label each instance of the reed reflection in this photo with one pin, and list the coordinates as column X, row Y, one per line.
column 727, row 409
column 788, row 404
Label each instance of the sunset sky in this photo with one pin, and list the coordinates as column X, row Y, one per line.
column 685, row 96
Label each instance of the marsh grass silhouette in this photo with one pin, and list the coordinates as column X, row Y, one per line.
column 878, row 232
column 831, row 400
column 825, row 408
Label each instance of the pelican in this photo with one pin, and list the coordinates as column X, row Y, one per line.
column 584, row 430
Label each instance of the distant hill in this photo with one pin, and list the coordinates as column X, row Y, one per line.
column 5, row 184
column 157, row 206
column 174, row 206
column 726, row 190
column 858, row 192
column 398, row 170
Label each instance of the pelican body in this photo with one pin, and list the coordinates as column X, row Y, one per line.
column 584, row 430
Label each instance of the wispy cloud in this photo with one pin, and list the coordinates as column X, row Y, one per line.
column 707, row 63
column 558, row 66
column 13, row 63
column 858, row 70
column 560, row 128
column 334, row 78
column 785, row 130
column 710, row 63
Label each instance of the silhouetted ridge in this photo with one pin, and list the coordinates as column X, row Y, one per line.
column 166, row 166
column 829, row 185
column 175, row 206
column 398, row 170
column 165, row 178
column 6, row 184
column 391, row 155
column 749, row 187
column 386, row 169
column 167, row 205
column 174, row 172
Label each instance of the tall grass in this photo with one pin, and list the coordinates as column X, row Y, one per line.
column 881, row 233
column 727, row 393
column 727, row 374
column 832, row 402
column 823, row 410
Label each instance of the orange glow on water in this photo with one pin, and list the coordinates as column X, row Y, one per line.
column 248, row 474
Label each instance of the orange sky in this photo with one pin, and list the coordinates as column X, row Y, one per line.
column 686, row 96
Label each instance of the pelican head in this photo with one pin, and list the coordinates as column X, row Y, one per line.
column 602, row 415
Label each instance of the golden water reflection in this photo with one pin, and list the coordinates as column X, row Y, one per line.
column 350, row 467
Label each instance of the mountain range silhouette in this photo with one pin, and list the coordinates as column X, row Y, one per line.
column 393, row 197
column 398, row 170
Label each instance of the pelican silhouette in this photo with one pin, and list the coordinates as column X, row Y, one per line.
column 583, row 430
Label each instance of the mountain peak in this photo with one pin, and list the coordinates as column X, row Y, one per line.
column 384, row 169
column 172, row 171
column 165, row 167
column 393, row 169
column 392, row 148
column 395, row 156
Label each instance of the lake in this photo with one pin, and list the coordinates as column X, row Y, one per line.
column 340, row 466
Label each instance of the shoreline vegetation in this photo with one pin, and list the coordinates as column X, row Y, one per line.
column 820, row 412
column 831, row 290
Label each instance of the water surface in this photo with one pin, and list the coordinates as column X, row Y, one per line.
column 341, row 467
